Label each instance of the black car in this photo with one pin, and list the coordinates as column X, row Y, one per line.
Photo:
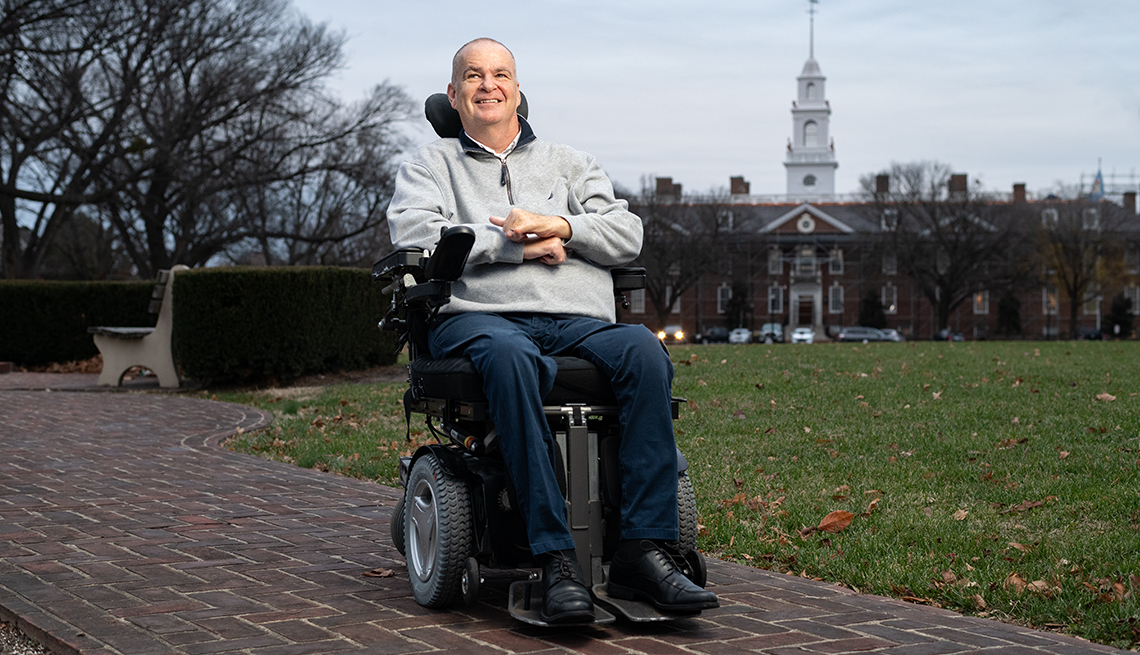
column 861, row 334
column 714, row 335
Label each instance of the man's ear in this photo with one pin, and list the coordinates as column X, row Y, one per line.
column 451, row 94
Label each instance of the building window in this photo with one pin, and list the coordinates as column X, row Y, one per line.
column 1133, row 293
column 835, row 299
column 810, row 92
column 775, row 299
column 676, row 309
column 1090, row 218
column 809, row 180
column 982, row 302
column 775, row 262
column 723, row 295
column 637, row 301
column 805, row 261
column 890, row 264
column 1132, row 260
column 1049, row 303
column 811, row 135
column 889, row 220
column 835, row 266
column 1049, row 217
column 890, row 298
column 1092, row 302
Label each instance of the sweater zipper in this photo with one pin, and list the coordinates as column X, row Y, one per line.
column 505, row 180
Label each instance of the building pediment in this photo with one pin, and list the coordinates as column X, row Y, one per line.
column 807, row 219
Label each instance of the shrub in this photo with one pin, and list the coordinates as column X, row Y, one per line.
column 247, row 323
column 47, row 322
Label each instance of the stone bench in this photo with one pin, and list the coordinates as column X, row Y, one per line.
column 150, row 348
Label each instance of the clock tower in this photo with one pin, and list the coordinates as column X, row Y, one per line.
column 811, row 153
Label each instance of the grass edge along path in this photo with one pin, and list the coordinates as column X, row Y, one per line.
column 996, row 479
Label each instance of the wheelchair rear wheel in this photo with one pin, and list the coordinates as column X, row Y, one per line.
column 686, row 514
column 438, row 532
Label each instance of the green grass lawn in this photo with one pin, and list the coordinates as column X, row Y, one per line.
column 998, row 479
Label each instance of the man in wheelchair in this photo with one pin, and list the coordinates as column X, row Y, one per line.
column 537, row 285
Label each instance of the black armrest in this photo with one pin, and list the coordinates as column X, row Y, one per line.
column 450, row 256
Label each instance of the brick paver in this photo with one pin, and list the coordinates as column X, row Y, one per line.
column 125, row 528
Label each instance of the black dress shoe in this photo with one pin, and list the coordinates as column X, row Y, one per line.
column 565, row 599
column 648, row 571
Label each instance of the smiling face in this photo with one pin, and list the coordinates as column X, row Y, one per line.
column 484, row 89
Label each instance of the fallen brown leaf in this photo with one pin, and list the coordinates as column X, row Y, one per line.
column 836, row 521
column 1106, row 397
column 379, row 573
column 1015, row 582
column 961, row 514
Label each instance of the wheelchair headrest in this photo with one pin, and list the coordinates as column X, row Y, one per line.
column 445, row 120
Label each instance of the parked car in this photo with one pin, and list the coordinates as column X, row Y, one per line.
column 672, row 334
column 771, row 333
column 947, row 335
column 861, row 334
column 803, row 335
column 712, row 335
column 893, row 335
column 740, row 335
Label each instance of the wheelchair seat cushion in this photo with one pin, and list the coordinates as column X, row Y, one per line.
column 455, row 378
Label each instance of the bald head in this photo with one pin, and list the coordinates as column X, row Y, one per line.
column 459, row 61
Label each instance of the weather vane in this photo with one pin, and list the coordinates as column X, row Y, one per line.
column 811, row 28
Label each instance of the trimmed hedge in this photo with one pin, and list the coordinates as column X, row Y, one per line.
column 246, row 323
column 42, row 322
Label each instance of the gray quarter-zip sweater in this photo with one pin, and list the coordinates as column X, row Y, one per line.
column 456, row 182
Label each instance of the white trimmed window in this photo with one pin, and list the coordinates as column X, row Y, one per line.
column 1092, row 302
column 1133, row 294
column 775, row 299
column 1049, row 217
column 676, row 309
column 637, row 301
column 775, row 262
column 1049, row 303
column 890, row 264
column 723, row 295
column 835, row 299
column 1090, row 218
column 806, row 263
column 982, row 302
column 889, row 220
column 835, row 266
column 890, row 298
column 1132, row 258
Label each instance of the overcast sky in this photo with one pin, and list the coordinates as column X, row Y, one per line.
column 1006, row 91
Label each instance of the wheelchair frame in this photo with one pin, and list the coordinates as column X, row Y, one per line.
column 446, row 561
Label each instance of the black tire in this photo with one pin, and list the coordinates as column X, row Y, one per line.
column 695, row 568
column 396, row 525
column 438, row 531
column 469, row 584
column 686, row 514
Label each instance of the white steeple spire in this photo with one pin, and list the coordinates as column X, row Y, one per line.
column 811, row 157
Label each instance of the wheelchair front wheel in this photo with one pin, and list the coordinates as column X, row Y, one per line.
column 686, row 513
column 438, row 533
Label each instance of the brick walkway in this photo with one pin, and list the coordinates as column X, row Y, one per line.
column 124, row 528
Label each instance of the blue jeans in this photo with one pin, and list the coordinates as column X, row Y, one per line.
column 513, row 354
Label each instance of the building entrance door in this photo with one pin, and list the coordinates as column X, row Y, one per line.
column 805, row 316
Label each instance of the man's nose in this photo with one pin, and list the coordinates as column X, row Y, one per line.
column 488, row 84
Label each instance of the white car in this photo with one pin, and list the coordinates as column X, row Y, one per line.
column 803, row 335
column 740, row 335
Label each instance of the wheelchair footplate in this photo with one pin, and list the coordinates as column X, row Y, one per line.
column 525, row 604
column 636, row 611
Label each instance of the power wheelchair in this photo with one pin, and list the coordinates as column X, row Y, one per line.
column 457, row 519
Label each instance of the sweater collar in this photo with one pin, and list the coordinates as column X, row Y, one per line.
column 526, row 135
